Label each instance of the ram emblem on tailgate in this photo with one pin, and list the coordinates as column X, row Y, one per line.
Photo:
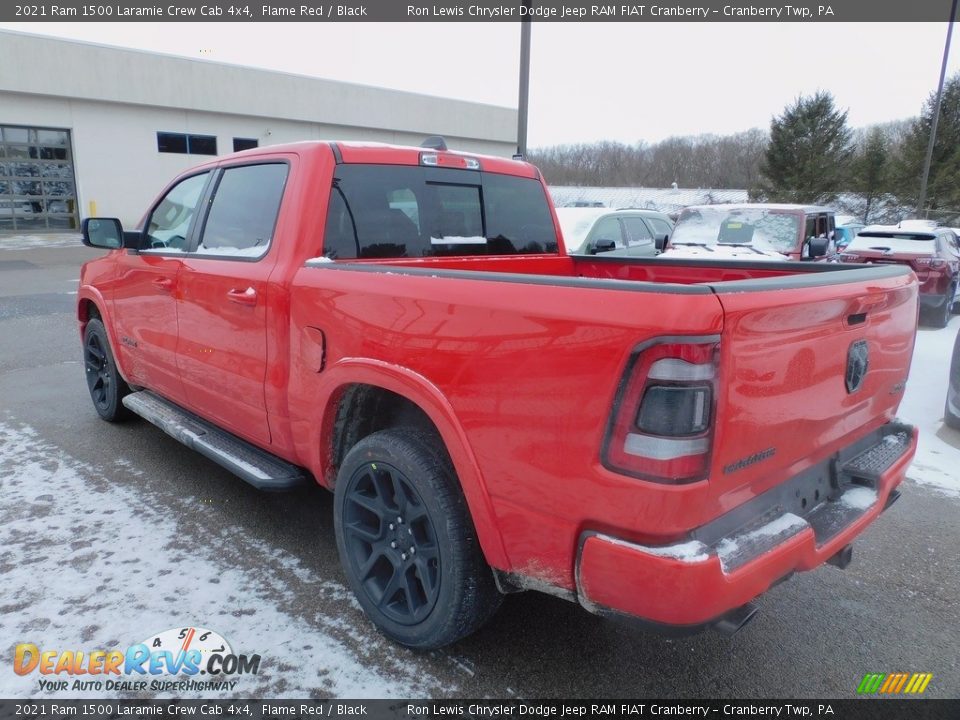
column 858, row 360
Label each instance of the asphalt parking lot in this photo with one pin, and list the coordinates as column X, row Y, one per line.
column 110, row 533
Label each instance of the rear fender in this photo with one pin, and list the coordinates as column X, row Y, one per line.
column 429, row 398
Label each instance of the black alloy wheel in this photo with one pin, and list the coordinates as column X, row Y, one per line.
column 942, row 314
column 407, row 542
column 391, row 542
column 107, row 387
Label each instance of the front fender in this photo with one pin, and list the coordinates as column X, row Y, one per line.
column 89, row 293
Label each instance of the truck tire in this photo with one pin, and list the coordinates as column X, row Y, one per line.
column 951, row 420
column 407, row 543
column 940, row 316
column 107, row 387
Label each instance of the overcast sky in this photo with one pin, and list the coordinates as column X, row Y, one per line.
column 588, row 81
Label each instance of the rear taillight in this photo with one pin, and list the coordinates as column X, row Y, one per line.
column 932, row 263
column 661, row 428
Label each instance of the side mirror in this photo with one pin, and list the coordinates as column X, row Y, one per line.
column 661, row 241
column 603, row 245
column 102, row 233
column 818, row 246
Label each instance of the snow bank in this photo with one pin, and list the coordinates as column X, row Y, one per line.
column 88, row 564
column 937, row 463
column 23, row 242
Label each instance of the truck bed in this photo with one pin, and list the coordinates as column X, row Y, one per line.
column 530, row 354
column 639, row 270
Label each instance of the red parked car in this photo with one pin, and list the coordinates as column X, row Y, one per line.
column 401, row 325
column 933, row 253
column 797, row 232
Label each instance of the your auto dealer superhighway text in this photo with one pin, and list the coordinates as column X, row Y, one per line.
column 623, row 11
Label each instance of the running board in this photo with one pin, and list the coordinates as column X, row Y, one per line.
column 248, row 462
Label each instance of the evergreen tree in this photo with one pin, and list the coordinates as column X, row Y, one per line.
column 943, row 186
column 870, row 170
column 807, row 160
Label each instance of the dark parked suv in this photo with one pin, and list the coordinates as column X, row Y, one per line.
column 951, row 409
column 932, row 252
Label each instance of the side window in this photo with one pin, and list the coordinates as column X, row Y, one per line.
column 169, row 222
column 243, row 211
column 607, row 228
column 340, row 241
column 636, row 230
column 950, row 243
column 375, row 212
column 823, row 228
column 660, row 227
column 811, row 230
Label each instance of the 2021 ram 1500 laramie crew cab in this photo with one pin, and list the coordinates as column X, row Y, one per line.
column 660, row 439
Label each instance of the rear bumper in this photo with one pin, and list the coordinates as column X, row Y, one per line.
column 933, row 289
column 730, row 561
column 931, row 300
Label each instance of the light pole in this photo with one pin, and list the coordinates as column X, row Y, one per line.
column 525, row 84
column 936, row 113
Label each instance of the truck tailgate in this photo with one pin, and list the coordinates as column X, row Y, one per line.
column 806, row 366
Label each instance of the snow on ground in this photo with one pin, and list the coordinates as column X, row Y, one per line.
column 23, row 242
column 937, row 463
column 86, row 564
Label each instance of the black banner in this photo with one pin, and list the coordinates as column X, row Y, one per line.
column 478, row 11
column 106, row 709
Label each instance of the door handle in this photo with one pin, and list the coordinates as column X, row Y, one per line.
column 247, row 296
column 164, row 284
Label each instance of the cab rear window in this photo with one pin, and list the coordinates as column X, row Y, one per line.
column 389, row 211
column 898, row 236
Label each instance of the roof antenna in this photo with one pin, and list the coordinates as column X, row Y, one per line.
column 434, row 142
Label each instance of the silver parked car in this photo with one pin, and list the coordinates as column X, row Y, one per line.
column 594, row 231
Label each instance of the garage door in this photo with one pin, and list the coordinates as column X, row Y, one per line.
column 37, row 187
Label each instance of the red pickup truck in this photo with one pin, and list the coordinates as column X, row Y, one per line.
column 664, row 440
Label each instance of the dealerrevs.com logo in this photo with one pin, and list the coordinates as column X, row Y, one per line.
column 187, row 652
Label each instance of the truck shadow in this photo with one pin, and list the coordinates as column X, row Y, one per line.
column 950, row 436
column 811, row 638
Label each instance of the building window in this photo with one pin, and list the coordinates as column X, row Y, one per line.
column 186, row 144
column 37, row 187
column 245, row 144
column 202, row 144
column 171, row 143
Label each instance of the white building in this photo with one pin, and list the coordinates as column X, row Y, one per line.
column 87, row 129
